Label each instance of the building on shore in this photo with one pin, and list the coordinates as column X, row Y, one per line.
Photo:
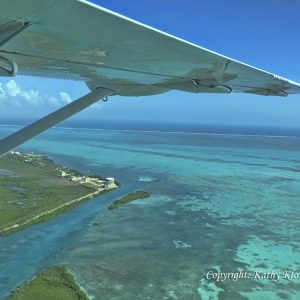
column 110, row 182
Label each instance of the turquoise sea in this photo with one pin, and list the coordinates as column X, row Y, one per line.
column 221, row 204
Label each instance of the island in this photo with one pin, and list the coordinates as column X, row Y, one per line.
column 34, row 189
column 55, row 283
column 129, row 198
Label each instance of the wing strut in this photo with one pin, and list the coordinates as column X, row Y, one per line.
column 25, row 134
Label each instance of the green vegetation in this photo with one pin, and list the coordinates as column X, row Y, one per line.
column 52, row 284
column 128, row 198
column 34, row 189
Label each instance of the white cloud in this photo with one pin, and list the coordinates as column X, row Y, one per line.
column 14, row 95
column 52, row 100
column 12, row 88
column 2, row 92
column 64, row 97
column 32, row 97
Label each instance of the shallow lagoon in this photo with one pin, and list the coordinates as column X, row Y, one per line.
column 225, row 203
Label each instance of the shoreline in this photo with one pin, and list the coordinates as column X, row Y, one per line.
column 51, row 213
column 91, row 187
column 49, row 283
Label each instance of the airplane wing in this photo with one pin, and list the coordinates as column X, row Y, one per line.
column 75, row 39
column 114, row 55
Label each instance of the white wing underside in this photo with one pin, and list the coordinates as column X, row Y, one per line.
column 77, row 40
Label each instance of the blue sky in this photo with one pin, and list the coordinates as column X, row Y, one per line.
column 261, row 33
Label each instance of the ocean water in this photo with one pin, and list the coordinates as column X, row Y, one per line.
column 220, row 204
